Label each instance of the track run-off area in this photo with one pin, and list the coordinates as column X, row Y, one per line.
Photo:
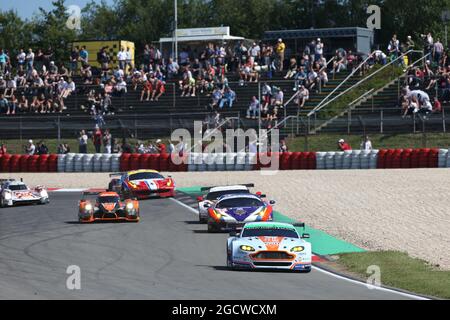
column 168, row 255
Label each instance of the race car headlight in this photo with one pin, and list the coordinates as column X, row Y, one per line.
column 133, row 185
column 297, row 249
column 169, row 183
column 8, row 196
column 247, row 248
column 130, row 206
column 88, row 207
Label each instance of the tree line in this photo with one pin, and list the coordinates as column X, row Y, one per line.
column 145, row 21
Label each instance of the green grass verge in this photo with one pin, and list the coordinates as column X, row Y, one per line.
column 378, row 81
column 400, row 271
column 321, row 142
column 328, row 142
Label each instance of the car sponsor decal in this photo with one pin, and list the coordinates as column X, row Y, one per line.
column 272, row 243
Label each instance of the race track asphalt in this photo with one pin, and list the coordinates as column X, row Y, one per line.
column 168, row 255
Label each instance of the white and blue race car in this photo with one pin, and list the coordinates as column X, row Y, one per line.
column 234, row 210
column 14, row 192
column 269, row 245
column 214, row 193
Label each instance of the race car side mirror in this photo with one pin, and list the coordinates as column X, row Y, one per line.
column 199, row 199
column 306, row 236
column 272, row 202
column 234, row 234
column 207, row 205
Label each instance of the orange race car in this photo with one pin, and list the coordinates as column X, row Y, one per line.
column 107, row 207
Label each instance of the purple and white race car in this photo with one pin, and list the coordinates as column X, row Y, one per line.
column 233, row 211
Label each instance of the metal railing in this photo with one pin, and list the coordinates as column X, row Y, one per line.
column 324, row 102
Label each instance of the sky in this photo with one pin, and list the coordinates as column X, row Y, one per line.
column 26, row 8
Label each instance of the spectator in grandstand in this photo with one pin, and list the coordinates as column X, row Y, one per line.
column 266, row 94
column 344, row 146
column 74, row 57
column 97, row 139
column 4, row 104
column 217, row 96
column 29, row 58
column 21, row 60
column 82, row 142
column 120, row 87
column 3, row 149
column 161, row 147
column 379, row 57
column 229, row 96
column 283, row 146
column 63, row 148
column 300, row 77
column 172, row 69
column 340, row 61
column 12, row 105
column 302, row 96
column 394, row 48
column 107, row 141
column 255, row 52
column 3, row 60
column 254, row 108
column 437, row 106
column 122, row 58
column 366, row 144
column 22, row 105
column 159, row 89
column 147, row 90
column 129, row 60
column 438, row 51
column 428, row 43
column 280, row 50
column 84, row 56
column 292, row 70
column 30, row 148
column 103, row 58
column 126, row 147
column 318, row 50
column 41, row 148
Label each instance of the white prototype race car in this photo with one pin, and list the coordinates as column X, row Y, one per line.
column 214, row 193
column 269, row 245
column 14, row 192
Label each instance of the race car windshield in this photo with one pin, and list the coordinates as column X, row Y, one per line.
column 108, row 199
column 240, row 203
column 18, row 187
column 145, row 176
column 272, row 232
column 217, row 194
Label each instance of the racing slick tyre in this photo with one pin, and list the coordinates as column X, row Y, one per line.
column 202, row 220
column 212, row 228
column 230, row 264
column 2, row 203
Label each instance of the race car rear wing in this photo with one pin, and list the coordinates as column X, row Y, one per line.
column 9, row 180
column 117, row 174
column 248, row 185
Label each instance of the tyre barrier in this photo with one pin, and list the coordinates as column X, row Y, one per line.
column 62, row 163
column 375, row 159
column 88, row 163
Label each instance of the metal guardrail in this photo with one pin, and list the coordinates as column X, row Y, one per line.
column 323, row 104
